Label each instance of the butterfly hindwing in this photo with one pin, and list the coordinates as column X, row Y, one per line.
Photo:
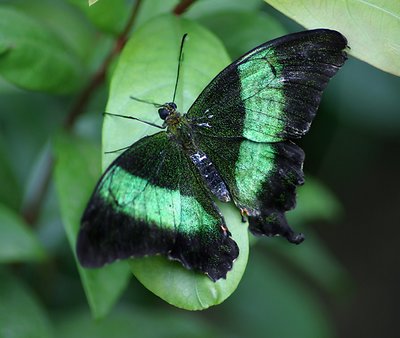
column 263, row 180
column 150, row 201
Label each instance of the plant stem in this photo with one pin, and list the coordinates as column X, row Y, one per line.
column 182, row 6
column 32, row 207
column 99, row 76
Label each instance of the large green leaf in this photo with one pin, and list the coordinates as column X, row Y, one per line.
column 63, row 20
column 109, row 16
column 31, row 52
column 314, row 260
column 241, row 31
column 10, row 192
column 17, row 241
column 190, row 290
column 77, row 169
column 20, row 314
column 147, row 70
column 275, row 303
column 154, row 8
column 133, row 322
column 377, row 113
column 315, row 203
column 205, row 7
column 372, row 27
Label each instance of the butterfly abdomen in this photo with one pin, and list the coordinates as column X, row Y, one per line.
column 183, row 135
column 210, row 175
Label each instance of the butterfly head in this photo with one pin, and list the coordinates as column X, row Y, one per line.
column 166, row 110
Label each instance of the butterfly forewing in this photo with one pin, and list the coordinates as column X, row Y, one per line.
column 150, row 201
column 271, row 93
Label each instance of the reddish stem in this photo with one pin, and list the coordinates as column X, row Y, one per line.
column 33, row 206
column 182, row 6
column 99, row 76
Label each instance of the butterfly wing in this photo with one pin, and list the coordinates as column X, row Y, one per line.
column 248, row 115
column 262, row 181
column 150, row 201
column 271, row 93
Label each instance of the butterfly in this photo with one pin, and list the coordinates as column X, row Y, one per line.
column 234, row 144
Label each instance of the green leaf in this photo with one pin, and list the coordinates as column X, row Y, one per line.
column 147, row 70
column 189, row 290
column 76, row 172
column 206, row 7
column 275, row 303
column 4, row 49
column 315, row 202
column 359, row 110
column 33, row 52
column 241, row 31
column 18, row 243
column 152, row 9
column 108, row 16
column 372, row 27
column 65, row 22
column 20, row 314
column 10, row 192
column 133, row 322
column 315, row 260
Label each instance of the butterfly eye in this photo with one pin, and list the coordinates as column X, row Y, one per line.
column 172, row 105
column 163, row 112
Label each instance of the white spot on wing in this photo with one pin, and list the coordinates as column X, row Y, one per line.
column 207, row 125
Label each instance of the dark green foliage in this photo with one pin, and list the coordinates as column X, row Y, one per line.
column 51, row 49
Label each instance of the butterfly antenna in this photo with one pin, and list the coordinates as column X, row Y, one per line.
column 117, row 150
column 157, row 105
column 179, row 64
column 136, row 119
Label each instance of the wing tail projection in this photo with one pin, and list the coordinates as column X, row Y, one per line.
column 262, row 179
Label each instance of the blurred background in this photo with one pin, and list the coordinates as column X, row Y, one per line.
column 342, row 282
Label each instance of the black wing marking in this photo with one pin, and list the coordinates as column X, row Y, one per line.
column 151, row 201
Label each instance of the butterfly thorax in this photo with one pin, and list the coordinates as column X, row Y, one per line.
column 180, row 131
column 178, row 127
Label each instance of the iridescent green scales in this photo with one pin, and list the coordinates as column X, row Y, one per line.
column 130, row 194
column 249, row 177
column 235, row 143
column 262, row 96
column 171, row 210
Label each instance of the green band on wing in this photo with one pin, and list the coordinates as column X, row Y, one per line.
column 253, row 167
column 263, row 96
column 142, row 201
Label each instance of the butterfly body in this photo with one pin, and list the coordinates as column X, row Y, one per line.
column 235, row 143
column 179, row 130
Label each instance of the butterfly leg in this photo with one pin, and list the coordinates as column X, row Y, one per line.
column 245, row 214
